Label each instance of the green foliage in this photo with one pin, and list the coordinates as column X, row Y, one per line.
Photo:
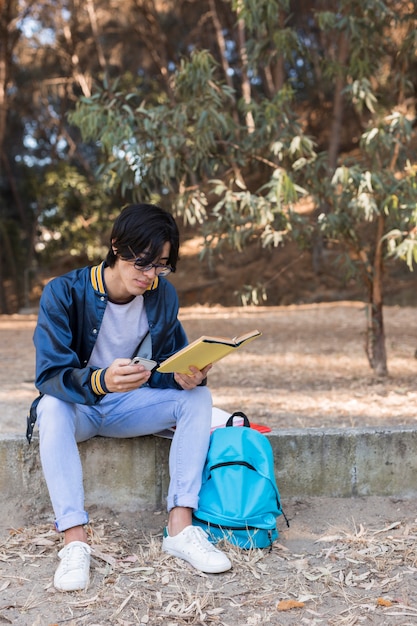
column 195, row 151
column 161, row 149
column 383, row 184
column 260, row 14
column 265, row 42
column 252, row 295
column 229, row 144
column 76, row 218
column 179, row 147
column 361, row 95
column 402, row 240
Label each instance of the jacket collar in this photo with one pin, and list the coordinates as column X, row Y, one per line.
column 97, row 279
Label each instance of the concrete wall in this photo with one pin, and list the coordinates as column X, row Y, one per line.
column 346, row 462
column 132, row 474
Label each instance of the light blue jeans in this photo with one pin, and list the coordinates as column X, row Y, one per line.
column 144, row 411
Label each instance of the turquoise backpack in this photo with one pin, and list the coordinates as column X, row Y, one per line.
column 239, row 499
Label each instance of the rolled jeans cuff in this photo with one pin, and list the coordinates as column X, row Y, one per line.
column 187, row 501
column 69, row 521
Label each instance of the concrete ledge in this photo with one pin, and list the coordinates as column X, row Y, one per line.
column 120, row 474
column 346, row 462
column 132, row 474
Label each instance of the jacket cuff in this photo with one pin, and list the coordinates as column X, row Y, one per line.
column 97, row 382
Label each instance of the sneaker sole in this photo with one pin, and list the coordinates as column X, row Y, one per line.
column 71, row 587
column 207, row 570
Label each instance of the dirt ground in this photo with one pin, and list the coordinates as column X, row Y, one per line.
column 308, row 369
column 341, row 562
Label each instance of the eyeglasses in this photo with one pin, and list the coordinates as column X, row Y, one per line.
column 139, row 264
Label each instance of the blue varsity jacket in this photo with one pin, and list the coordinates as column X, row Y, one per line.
column 70, row 314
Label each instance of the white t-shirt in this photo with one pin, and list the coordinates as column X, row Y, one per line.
column 122, row 328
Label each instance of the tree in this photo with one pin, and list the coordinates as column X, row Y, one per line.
column 233, row 155
column 229, row 110
column 376, row 194
column 198, row 148
column 46, row 62
column 371, row 201
column 9, row 36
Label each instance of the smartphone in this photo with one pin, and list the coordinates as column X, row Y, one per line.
column 147, row 363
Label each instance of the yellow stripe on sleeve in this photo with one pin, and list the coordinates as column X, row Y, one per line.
column 96, row 384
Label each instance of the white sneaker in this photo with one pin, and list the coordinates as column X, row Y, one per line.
column 192, row 545
column 73, row 573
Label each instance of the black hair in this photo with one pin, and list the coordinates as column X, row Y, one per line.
column 142, row 230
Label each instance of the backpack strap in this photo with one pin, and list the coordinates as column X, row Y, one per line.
column 238, row 414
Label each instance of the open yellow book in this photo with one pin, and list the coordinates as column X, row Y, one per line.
column 203, row 351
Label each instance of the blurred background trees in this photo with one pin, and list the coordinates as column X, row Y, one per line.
column 258, row 123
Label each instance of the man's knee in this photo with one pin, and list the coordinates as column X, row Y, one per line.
column 53, row 409
column 203, row 394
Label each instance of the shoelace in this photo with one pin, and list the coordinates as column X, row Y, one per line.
column 198, row 536
column 75, row 557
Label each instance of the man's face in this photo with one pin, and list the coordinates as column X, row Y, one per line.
column 129, row 280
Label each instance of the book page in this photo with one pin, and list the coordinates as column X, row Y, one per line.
column 203, row 351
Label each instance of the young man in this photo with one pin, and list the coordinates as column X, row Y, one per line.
column 91, row 322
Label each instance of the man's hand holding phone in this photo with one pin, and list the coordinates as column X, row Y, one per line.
column 128, row 374
column 148, row 364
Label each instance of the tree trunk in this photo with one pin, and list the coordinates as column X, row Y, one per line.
column 334, row 142
column 375, row 340
column 9, row 270
column 274, row 71
column 375, row 336
column 221, row 43
column 4, row 308
column 245, row 82
column 153, row 36
column 337, row 117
